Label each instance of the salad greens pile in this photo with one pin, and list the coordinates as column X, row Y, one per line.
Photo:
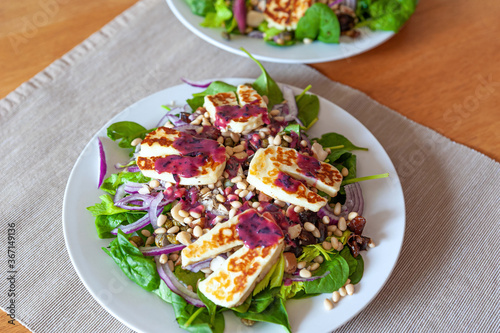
column 324, row 22
column 267, row 301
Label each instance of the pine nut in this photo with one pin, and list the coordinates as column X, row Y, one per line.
column 136, row 142
column 266, row 99
column 160, row 231
column 340, row 247
column 326, row 219
column 145, row 233
column 277, row 139
column 275, row 112
column 133, row 243
column 172, row 230
column 174, row 256
column 345, row 172
column 229, row 150
column 184, row 237
column 163, row 258
column 188, row 220
column 319, row 259
column 334, row 242
column 150, row 240
column 279, row 118
column 197, row 121
column 241, row 185
column 309, row 226
column 206, row 270
column 236, row 179
column 144, row 190
column 305, row 273
column 327, row 245
column 197, row 231
column 170, row 264
column 337, row 209
column 256, row 204
column 206, row 122
column 204, row 190
column 235, row 137
column 220, row 198
column 154, row 183
column 161, row 220
column 206, row 115
column 331, row 228
column 303, row 143
column 243, row 193
column 371, row 244
column 194, row 214
column 342, row 291
column 238, row 149
column 270, row 139
column 314, row 266
column 349, row 288
column 338, row 233
column 352, row 216
column 236, row 204
column 298, row 209
column 301, row 264
column 287, row 138
column 342, row 225
column 335, row 296
column 211, row 186
column 328, row 304
column 241, row 155
column 260, row 209
column 183, row 213
column 237, row 191
column 233, row 212
column 316, row 233
column 279, row 203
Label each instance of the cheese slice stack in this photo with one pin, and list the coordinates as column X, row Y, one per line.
column 235, row 279
column 275, row 170
column 160, row 144
column 238, row 123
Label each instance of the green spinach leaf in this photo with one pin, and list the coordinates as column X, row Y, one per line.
column 105, row 207
column 358, row 273
column 187, row 277
column 339, row 272
column 201, row 7
column 214, row 88
column 133, row 263
column 287, row 292
column 265, row 85
column 105, row 223
column 308, row 106
column 292, row 128
column 189, row 317
column 111, row 183
column 330, row 140
column 319, row 22
column 211, row 307
column 274, row 313
column 351, row 262
column 126, row 132
column 216, row 19
column 385, row 14
column 261, row 301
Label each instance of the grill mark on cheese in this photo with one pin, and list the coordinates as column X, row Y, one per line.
column 286, row 13
column 217, row 240
column 224, row 98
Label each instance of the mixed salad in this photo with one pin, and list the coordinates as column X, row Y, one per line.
column 229, row 205
column 286, row 22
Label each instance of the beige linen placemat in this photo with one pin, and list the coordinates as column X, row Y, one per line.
column 446, row 278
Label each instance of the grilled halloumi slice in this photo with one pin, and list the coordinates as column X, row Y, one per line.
column 285, row 14
column 225, row 115
column 231, row 283
column 221, row 238
column 278, row 172
column 236, row 278
column 166, row 154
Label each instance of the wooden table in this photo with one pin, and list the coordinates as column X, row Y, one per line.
column 442, row 70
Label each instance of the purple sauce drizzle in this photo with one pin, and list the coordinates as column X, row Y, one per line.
column 225, row 113
column 257, row 231
column 195, row 153
column 287, row 183
column 309, row 165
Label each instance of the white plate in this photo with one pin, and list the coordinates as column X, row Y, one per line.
column 144, row 311
column 296, row 54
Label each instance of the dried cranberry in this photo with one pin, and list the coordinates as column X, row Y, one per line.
column 357, row 224
column 357, row 243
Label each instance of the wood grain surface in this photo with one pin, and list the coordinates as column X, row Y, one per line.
column 441, row 70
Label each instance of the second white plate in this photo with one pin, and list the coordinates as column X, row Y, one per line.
column 299, row 53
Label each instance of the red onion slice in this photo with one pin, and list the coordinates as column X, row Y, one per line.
column 157, row 251
column 197, row 84
column 102, row 163
column 195, row 268
column 293, row 110
column 240, row 14
column 146, row 199
column 175, row 285
column 130, row 228
column 153, row 209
